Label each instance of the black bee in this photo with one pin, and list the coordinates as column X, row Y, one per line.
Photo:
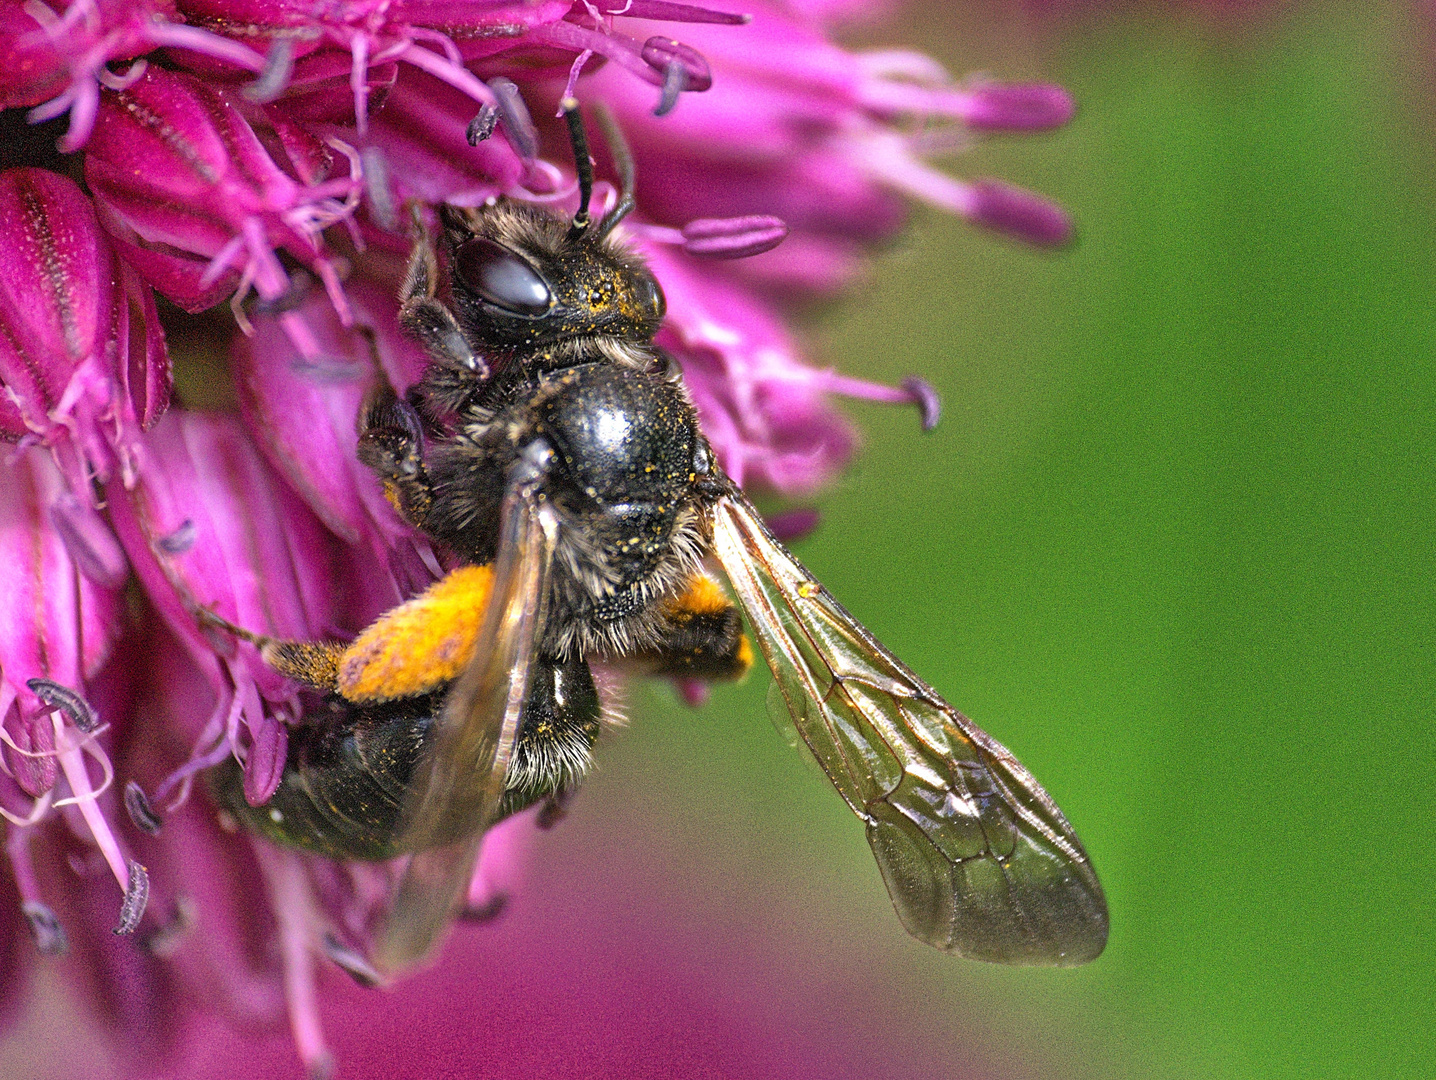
column 554, row 450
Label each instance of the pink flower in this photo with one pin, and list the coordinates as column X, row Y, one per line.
column 276, row 154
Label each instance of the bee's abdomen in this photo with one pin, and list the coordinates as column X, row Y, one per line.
column 348, row 771
column 342, row 793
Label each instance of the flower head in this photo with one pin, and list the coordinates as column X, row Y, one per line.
column 281, row 155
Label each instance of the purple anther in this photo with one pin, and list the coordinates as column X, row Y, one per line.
column 733, row 238
column 660, row 9
column 518, row 125
column 359, row 969
column 89, row 542
column 74, row 706
column 481, row 127
column 142, row 814
column 1018, row 213
column 660, row 53
column 137, row 895
column 50, row 937
column 274, row 79
column 1018, row 107
column 179, row 541
column 926, row 398
column 790, row 526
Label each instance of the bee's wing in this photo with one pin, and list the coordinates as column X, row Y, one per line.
column 457, row 787
column 976, row 856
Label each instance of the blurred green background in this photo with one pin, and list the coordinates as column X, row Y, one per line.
column 1172, row 544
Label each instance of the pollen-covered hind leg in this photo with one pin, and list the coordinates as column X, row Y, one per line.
column 702, row 636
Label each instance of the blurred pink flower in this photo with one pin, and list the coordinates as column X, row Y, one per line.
column 279, row 148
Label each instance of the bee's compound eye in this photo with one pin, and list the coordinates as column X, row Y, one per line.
column 650, row 296
column 501, row 277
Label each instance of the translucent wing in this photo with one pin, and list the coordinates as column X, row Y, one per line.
column 456, row 790
column 976, row 856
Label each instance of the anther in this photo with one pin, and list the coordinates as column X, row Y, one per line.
column 481, row 126
column 50, row 937
column 137, row 895
column 661, row 53
column 278, row 67
column 179, row 541
column 518, row 125
column 733, row 238
column 359, row 969
column 137, row 805
column 926, row 398
column 75, row 707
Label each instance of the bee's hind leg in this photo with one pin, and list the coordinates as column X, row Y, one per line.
column 701, row 636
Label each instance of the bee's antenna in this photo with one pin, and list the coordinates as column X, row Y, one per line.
column 582, row 164
column 623, row 162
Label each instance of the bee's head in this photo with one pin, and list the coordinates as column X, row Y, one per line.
column 523, row 277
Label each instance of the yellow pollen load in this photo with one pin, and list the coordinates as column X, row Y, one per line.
column 419, row 645
column 704, row 596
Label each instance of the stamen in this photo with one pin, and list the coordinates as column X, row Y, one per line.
column 110, row 81
column 927, row 399
column 50, row 937
column 359, row 969
column 482, row 126
column 74, row 706
column 733, row 238
column 274, row 79
column 518, row 124
column 1018, row 213
column 179, row 541
column 137, row 895
column 912, row 391
column 89, row 542
column 141, row 813
column 661, row 53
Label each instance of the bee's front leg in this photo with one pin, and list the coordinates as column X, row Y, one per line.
column 422, row 314
column 391, row 442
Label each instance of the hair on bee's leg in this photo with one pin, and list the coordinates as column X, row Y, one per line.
column 554, row 750
column 701, row 636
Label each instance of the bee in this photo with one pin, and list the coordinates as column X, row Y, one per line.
column 554, row 451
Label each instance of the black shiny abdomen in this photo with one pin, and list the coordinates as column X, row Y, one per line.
column 349, row 766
